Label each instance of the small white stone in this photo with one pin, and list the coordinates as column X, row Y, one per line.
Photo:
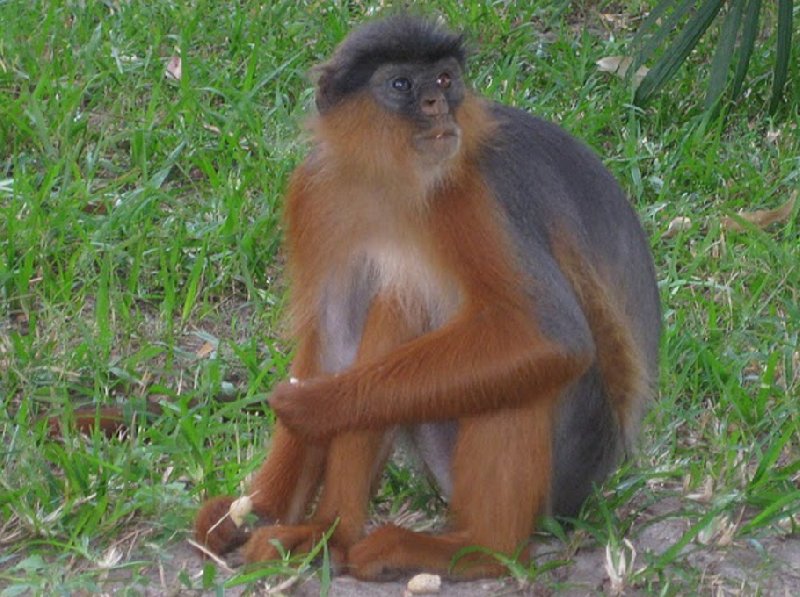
column 423, row 584
column 294, row 381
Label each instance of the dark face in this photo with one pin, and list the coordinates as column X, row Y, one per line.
column 428, row 94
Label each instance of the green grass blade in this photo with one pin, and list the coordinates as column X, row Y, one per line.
column 103, row 306
column 194, row 283
column 784, row 51
column 772, row 511
column 746, row 45
column 767, row 463
column 677, row 52
column 723, row 57
column 674, row 551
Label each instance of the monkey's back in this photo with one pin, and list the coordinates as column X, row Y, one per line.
column 559, row 199
column 549, row 184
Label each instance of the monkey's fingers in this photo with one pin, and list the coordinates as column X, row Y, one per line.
column 215, row 529
column 304, row 410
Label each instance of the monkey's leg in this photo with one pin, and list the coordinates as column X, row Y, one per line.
column 502, row 470
column 280, row 491
column 354, row 459
column 284, row 484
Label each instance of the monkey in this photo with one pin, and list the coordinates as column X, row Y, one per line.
column 461, row 272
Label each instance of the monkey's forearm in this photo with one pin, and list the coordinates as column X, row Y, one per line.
column 475, row 364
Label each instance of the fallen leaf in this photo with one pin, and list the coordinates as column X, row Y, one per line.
column 677, row 225
column 761, row 218
column 619, row 565
column 95, row 208
column 617, row 20
column 720, row 531
column 5, row 352
column 619, row 65
column 773, row 135
column 110, row 558
column 706, row 494
column 205, row 350
column 174, row 68
column 789, row 524
column 614, row 64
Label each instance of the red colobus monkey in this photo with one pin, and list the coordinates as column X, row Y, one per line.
column 462, row 272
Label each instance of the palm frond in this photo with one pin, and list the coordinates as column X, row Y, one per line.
column 738, row 32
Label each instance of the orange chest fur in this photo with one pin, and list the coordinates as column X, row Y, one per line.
column 387, row 263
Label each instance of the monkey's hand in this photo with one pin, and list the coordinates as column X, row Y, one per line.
column 306, row 408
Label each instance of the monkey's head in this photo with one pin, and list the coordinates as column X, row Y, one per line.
column 411, row 68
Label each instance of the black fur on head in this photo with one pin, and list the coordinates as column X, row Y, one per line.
column 400, row 38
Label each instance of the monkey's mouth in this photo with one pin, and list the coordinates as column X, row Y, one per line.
column 439, row 138
column 438, row 143
column 441, row 134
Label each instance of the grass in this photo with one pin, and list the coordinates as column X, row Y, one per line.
column 139, row 263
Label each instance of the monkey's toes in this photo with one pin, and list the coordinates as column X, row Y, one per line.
column 271, row 542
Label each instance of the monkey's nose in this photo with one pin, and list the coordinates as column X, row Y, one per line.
column 434, row 106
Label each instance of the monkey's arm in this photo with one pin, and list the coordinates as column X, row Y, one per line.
column 493, row 354
column 488, row 358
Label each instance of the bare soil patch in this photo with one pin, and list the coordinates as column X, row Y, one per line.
column 763, row 566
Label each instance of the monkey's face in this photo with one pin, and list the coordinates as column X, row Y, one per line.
column 427, row 95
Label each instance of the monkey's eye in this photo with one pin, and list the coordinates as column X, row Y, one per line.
column 401, row 84
column 444, row 81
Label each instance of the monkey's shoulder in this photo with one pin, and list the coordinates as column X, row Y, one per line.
column 540, row 172
column 535, row 139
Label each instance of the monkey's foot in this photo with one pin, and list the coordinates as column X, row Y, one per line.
column 214, row 528
column 391, row 552
column 271, row 542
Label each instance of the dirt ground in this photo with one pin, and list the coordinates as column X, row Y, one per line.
column 771, row 569
column 769, row 566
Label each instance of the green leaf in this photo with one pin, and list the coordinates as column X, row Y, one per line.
column 721, row 63
column 667, row 27
column 103, row 305
column 784, row 51
column 651, row 19
column 746, row 45
column 194, row 281
column 773, row 511
column 14, row 590
column 209, row 576
column 674, row 551
column 767, row 463
column 678, row 51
